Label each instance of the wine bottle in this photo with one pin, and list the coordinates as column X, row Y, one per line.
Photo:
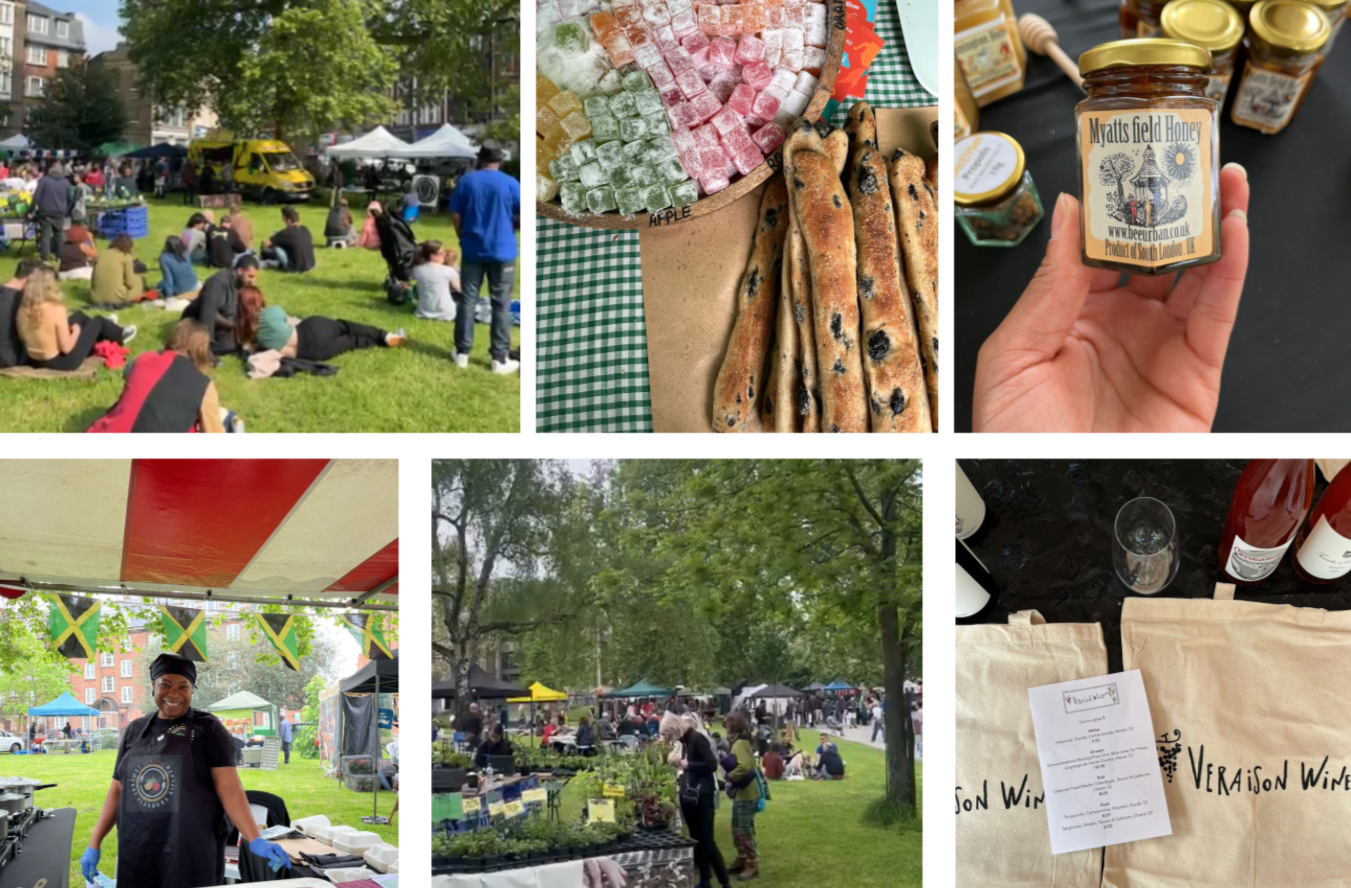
column 1323, row 547
column 1269, row 505
column 970, row 506
column 975, row 586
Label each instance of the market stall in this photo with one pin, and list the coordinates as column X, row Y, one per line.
column 361, row 724
column 662, row 312
column 64, row 706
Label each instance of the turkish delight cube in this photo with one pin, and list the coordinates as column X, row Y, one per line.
column 622, row 176
column 722, row 52
column 596, row 106
column 707, row 70
column 671, row 95
column 671, row 171
column 644, row 174
column 623, row 105
column 684, row 23
column 632, row 128
column 690, row 83
column 629, row 16
column 796, row 104
column 710, row 18
column 598, row 200
column 745, row 161
column 694, row 41
column 757, row 74
column 544, row 90
column 657, row 124
column 794, row 17
column 749, row 49
column 682, row 114
column 705, row 105
column 735, row 140
column 660, row 75
column 683, row 140
column 658, row 149
column 725, row 84
column 727, row 119
column 656, row 197
column 679, row 60
column 791, row 3
column 679, row 6
column 648, row 103
column 792, row 60
column 731, row 21
column 565, row 103
column 546, row 122
column 583, row 152
column 593, row 175
column 754, row 18
column 619, row 49
column 604, row 129
column 684, row 194
column 647, row 55
column 634, row 151
column 572, row 37
column 637, row 81
column 610, row 155
column 706, row 137
column 792, row 39
column 630, row 200
column 573, row 8
column 664, row 38
column 805, row 83
column 814, row 57
column 657, row 14
column 563, row 169
column 816, row 12
column 546, row 16
column 576, row 125
column 712, row 159
column 573, row 196
column 817, row 34
column 767, row 138
column 714, row 181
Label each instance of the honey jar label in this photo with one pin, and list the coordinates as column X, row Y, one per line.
column 987, row 56
column 1148, row 184
column 961, row 128
column 1218, row 87
column 1266, row 100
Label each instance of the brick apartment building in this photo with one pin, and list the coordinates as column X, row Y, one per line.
column 148, row 123
column 420, row 116
column 45, row 41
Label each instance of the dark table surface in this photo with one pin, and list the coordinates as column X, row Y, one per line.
column 1047, row 538
column 1286, row 359
column 46, row 853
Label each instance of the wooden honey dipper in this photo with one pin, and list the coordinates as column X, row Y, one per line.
column 1040, row 37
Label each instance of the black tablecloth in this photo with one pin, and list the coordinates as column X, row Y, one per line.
column 45, row 855
column 1286, row 363
column 1047, row 538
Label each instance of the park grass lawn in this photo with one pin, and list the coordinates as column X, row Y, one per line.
column 82, row 783
column 812, row 833
column 416, row 389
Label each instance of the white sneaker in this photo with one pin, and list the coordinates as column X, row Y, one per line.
column 113, row 317
column 128, row 333
column 503, row 368
column 462, row 361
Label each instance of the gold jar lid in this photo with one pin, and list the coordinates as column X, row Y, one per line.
column 1147, row 51
column 1212, row 24
column 1290, row 25
column 1328, row 6
column 989, row 165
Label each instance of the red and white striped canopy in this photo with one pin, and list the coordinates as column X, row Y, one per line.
column 266, row 529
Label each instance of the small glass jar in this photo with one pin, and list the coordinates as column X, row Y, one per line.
column 1214, row 25
column 1335, row 12
column 1141, row 18
column 1282, row 59
column 997, row 202
column 1148, row 142
column 967, row 112
column 988, row 49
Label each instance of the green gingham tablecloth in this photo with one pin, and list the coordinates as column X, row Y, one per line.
column 591, row 373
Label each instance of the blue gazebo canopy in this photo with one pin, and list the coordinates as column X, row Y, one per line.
column 838, row 685
column 63, row 705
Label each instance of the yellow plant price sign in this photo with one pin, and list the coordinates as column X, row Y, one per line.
column 600, row 811
column 470, row 805
column 613, row 790
column 496, row 809
column 514, row 809
column 531, row 796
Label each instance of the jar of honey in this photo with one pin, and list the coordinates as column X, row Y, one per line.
column 988, row 48
column 967, row 112
column 997, row 201
column 1282, row 59
column 1214, row 25
column 1141, row 18
column 1148, row 151
column 1335, row 12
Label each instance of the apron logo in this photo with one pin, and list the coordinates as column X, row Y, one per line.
column 177, row 731
column 153, row 784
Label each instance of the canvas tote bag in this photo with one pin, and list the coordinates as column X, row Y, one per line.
column 1251, row 706
column 1003, row 840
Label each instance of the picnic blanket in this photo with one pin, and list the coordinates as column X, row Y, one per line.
column 88, row 371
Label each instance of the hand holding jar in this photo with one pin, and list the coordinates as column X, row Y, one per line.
column 1080, row 352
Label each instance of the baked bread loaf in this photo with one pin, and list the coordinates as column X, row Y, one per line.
column 917, row 219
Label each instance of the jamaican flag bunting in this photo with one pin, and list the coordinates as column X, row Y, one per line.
column 74, row 625
column 280, row 629
column 185, row 632
column 365, row 628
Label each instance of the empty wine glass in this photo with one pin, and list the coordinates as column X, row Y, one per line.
column 1144, row 545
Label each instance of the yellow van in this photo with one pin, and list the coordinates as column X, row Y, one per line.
column 264, row 169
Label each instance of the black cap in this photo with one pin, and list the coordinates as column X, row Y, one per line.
column 173, row 664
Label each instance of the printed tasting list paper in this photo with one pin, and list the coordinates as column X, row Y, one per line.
column 1099, row 767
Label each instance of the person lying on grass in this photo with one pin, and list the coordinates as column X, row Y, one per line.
column 292, row 248
column 268, row 328
column 168, row 391
column 55, row 339
column 118, row 278
column 217, row 304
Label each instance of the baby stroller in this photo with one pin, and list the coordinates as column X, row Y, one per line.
column 397, row 246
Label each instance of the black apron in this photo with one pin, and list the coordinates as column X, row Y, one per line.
column 171, row 825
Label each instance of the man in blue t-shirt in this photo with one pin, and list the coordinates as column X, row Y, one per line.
column 485, row 208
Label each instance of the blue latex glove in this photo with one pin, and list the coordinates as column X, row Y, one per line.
column 89, row 863
column 274, row 854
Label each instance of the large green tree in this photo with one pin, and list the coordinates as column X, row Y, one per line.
column 302, row 66
column 80, row 111
column 38, row 676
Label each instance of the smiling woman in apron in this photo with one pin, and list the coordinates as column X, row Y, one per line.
column 173, row 786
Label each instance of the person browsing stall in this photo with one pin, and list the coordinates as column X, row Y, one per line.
column 174, row 785
column 496, row 744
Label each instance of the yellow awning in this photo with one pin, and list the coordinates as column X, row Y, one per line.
column 540, row 694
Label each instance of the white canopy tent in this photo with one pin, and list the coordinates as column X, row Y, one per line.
column 379, row 142
column 18, row 142
column 445, row 142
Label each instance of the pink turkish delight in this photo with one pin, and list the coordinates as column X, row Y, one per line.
column 726, row 120
column 679, row 60
column 685, row 22
column 757, row 74
column 750, row 49
column 767, row 138
column 741, row 99
column 745, row 161
column 682, row 114
column 706, row 105
column 647, row 55
column 724, row 84
column 665, row 38
column 690, row 83
column 694, row 41
column 710, row 18
column 722, row 52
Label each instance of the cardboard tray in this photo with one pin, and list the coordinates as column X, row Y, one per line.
column 690, row 277
column 741, row 186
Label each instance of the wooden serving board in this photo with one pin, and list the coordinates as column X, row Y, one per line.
column 732, row 193
column 690, row 278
